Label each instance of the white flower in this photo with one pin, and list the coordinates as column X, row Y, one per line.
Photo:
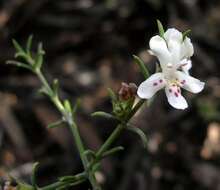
column 174, row 57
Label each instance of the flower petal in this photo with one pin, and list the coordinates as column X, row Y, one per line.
column 187, row 66
column 175, row 98
column 150, row 86
column 187, row 49
column 174, row 41
column 159, row 48
column 173, row 34
column 190, row 83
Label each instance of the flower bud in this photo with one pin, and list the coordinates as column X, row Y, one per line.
column 127, row 91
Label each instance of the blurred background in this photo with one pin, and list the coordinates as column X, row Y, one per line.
column 89, row 46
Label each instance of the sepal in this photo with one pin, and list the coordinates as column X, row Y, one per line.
column 160, row 28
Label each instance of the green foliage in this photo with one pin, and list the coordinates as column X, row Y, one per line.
column 73, row 179
column 55, row 87
column 39, row 57
column 123, row 109
column 96, row 167
column 29, row 45
column 32, row 63
column 112, row 151
column 160, row 29
column 104, row 115
column 120, row 108
column 19, row 64
column 33, row 176
column 90, row 154
column 55, row 124
column 112, row 95
column 19, row 50
column 186, row 33
column 140, row 133
column 24, row 186
column 141, row 66
column 68, row 106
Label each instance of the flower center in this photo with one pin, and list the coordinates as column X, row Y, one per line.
column 174, row 86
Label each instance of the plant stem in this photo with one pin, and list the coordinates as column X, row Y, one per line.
column 62, row 185
column 51, row 93
column 110, row 140
column 73, row 127
column 81, row 150
column 118, row 130
column 72, row 180
column 53, row 186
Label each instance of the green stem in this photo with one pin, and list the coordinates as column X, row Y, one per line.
column 62, row 185
column 118, row 130
column 51, row 93
column 53, row 186
column 73, row 128
column 78, row 141
column 44, row 81
column 110, row 140
column 134, row 110
column 72, row 180
column 81, row 150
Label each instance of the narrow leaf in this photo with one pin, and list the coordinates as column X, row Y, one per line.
column 112, row 151
column 29, row 44
column 55, row 124
column 40, row 49
column 104, row 115
column 142, row 66
column 73, row 178
column 76, row 106
column 160, row 28
column 140, row 133
column 186, row 33
column 44, row 90
column 112, row 94
column 21, row 54
column 56, row 86
column 89, row 153
column 39, row 58
column 96, row 167
column 75, row 183
column 19, row 64
column 33, row 176
column 17, row 46
column 67, row 106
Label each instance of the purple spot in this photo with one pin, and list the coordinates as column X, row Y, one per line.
column 155, row 84
column 176, row 94
column 178, row 90
column 183, row 81
column 160, row 80
column 170, row 90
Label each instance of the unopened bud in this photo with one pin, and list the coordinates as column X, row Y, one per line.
column 127, row 91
